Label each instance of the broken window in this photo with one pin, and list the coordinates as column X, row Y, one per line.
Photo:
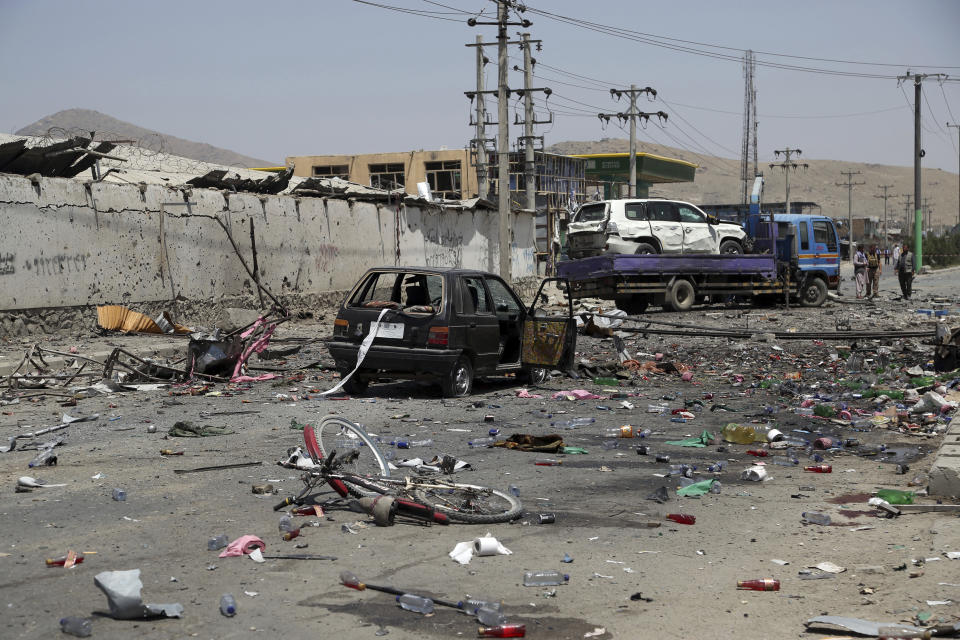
column 387, row 175
column 444, row 178
column 332, row 171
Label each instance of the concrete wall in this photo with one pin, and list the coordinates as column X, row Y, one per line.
column 65, row 243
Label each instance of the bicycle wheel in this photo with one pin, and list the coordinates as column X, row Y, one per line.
column 471, row 504
column 336, row 433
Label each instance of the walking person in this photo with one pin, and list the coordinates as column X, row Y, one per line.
column 874, row 268
column 860, row 272
column 905, row 272
column 886, row 256
column 896, row 255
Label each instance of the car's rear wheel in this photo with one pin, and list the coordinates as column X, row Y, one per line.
column 355, row 385
column 731, row 246
column 645, row 248
column 534, row 375
column 458, row 382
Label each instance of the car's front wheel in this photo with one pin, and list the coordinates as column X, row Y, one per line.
column 731, row 246
column 458, row 382
column 645, row 248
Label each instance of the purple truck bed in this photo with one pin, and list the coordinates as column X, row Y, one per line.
column 760, row 265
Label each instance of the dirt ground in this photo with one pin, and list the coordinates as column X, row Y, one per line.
column 686, row 575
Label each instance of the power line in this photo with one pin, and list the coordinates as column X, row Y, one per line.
column 436, row 15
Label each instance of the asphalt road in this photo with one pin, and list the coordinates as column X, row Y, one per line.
column 686, row 575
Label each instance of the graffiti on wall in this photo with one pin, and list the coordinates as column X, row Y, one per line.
column 6, row 264
column 57, row 265
column 325, row 257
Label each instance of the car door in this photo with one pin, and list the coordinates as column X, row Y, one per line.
column 475, row 310
column 698, row 235
column 549, row 340
column 509, row 311
column 665, row 226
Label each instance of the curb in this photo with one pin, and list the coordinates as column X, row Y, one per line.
column 945, row 471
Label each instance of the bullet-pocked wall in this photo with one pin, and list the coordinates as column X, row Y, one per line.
column 67, row 243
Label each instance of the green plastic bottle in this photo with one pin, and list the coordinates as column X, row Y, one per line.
column 895, row 496
column 739, row 433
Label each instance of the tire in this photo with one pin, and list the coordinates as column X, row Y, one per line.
column 814, row 293
column 645, row 248
column 355, row 386
column 634, row 305
column 472, row 504
column 731, row 246
column 534, row 375
column 681, row 295
column 336, row 433
column 458, row 382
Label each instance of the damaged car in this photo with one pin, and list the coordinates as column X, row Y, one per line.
column 446, row 325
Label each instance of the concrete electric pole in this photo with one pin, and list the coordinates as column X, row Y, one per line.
column 787, row 165
column 480, row 142
column 850, row 184
column 886, row 237
column 503, row 134
column 529, row 119
column 957, row 127
column 632, row 115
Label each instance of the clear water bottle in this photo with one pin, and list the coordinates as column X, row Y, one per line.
column 716, row 487
column 716, row 466
column 119, row 495
column 412, row 602
column 643, row 433
column 610, row 444
column 489, row 616
column 286, row 524
column 471, row 605
column 46, row 457
column 219, row 542
column 76, row 626
column 573, row 423
column 481, row 442
column 815, row 517
column 228, row 605
column 544, row 578
column 784, row 461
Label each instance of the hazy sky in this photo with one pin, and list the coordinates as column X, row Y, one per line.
column 274, row 79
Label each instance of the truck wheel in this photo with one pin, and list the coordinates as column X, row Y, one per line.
column 634, row 305
column 681, row 295
column 645, row 248
column 730, row 246
column 458, row 382
column 814, row 293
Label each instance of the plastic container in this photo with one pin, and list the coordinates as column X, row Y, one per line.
column 481, row 442
column 471, row 605
column 643, row 450
column 739, row 433
column 657, row 408
column 412, row 602
column 286, row 524
column 815, row 517
column 819, row 468
column 547, row 462
column 895, row 496
column 218, row 542
column 544, row 578
column 663, row 458
column 625, row 431
column 610, row 444
column 490, row 616
column 764, row 584
column 228, row 605
column 685, row 470
column 45, row 458
column 682, row 518
column 503, row 631
column 76, row 626
column 573, row 423
column 803, row 411
column 119, row 495
column 716, row 487
column 716, row 467
column 784, row 461
column 643, row 433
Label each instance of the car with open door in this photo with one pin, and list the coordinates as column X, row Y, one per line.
column 446, row 325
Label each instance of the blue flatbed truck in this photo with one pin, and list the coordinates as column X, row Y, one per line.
column 794, row 253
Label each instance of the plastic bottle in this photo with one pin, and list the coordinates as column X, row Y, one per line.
column 682, row 518
column 607, row 382
column 716, row 487
column 784, row 461
column 643, row 450
column 412, row 602
column 685, row 470
column 46, row 457
column 819, row 468
column 119, row 495
column 420, row 443
column 610, row 444
column 490, row 616
column 504, row 631
column 803, row 411
column 76, row 626
column 758, row 453
column 678, row 420
column 764, row 584
column 657, row 408
column 573, row 423
column 716, row 466
column 62, row 560
column 643, row 433
column 815, row 517
column 218, row 542
column 544, row 578
column 547, row 462
column 625, row 431
column 895, row 496
column 286, row 524
column 481, row 442
column 471, row 605
column 228, row 605
column 739, row 433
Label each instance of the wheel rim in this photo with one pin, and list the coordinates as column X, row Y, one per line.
column 461, row 379
column 538, row 375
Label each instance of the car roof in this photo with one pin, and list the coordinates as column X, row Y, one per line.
column 436, row 270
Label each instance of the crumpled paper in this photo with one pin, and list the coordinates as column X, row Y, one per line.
column 122, row 589
column 484, row 546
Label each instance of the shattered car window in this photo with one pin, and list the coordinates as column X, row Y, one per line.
column 591, row 213
column 379, row 289
column 414, row 292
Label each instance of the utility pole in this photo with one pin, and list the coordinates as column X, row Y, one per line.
column 886, row 237
column 749, row 127
column 480, row 142
column 787, row 165
column 927, row 220
column 850, row 184
column 957, row 127
column 503, row 134
column 906, row 220
column 632, row 115
column 918, row 153
column 530, row 165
